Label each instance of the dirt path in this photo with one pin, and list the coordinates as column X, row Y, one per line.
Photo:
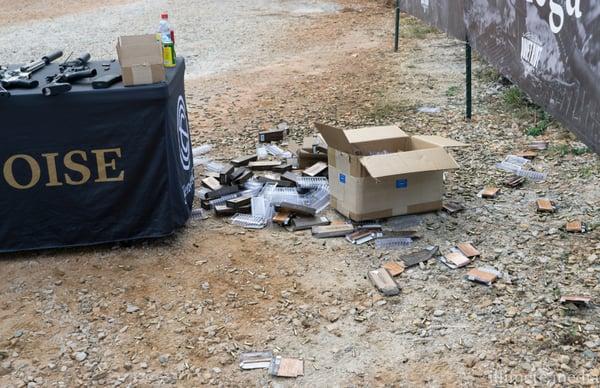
column 181, row 310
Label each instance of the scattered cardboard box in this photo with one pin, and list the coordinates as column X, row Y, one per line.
column 489, row 192
column 394, row 268
column 514, row 181
column 575, row 227
column 272, row 135
column 381, row 172
column 529, row 154
column 141, row 59
column 297, row 209
column 286, row 367
column 577, row 300
column 363, row 236
column 334, row 230
column 468, row 250
column 455, row 259
column 538, row 145
column 305, row 223
column 211, row 183
column 263, row 165
column 544, row 205
column 383, row 281
column 317, row 169
column 453, row 207
column 244, row 160
column 482, row 276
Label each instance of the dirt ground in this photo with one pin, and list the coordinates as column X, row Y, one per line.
column 181, row 310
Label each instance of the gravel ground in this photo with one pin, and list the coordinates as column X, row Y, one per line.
column 179, row 311
column 214, row 35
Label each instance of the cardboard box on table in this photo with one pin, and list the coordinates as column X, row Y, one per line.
column 141, row 59
column 380, row 172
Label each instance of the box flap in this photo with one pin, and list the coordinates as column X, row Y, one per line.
column 432, row 159
column 139, row 50
column 335, row 138
column 440, row 141
column 370, row 134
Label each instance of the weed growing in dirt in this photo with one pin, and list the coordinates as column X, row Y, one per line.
column 515, row 98
column 419, row 31
column 452, row 91
column 565, row 149
column 487, row 74
column 541, row 126
column 384, row 110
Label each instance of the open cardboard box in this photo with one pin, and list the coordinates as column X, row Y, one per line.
column 141, row 59
column 381, row 172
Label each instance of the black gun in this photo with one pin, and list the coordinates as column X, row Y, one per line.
column 70, row 71
column 21, row 78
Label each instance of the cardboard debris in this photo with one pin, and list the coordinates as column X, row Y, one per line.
column 330, row 231
column 305, row 223
column 282, row 168
column 489, row 192
column 297, row 209
column 282, row 218
column 538, row 145
column 577, row 300
column 514, row 181
column 529, row 154
column 224, row 210
column 575, row 227
column 363, row 236
column 394, row 268
column 317, row 169
column 272, row 135
column 414, row 258
column 244, row 160
column 211, row 183
column 256, row 360
column 263, row 165
column 482, row 276
column 383, row 281
column 381, row 172
column 286, row 367
column 225, row 190
column 455, row 259
column 452, row 207
column 544, row 205
column 239, row 202
column 468, row 250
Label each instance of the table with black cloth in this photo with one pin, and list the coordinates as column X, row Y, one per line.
column 94, row 166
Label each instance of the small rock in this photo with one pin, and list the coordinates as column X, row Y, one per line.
column 132, row 308
column 163, row 359
column 438, row 313
column 80, row 356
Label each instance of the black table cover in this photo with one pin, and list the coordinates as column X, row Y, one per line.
column 94, row 166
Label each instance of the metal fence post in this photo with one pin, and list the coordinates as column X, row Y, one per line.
column 397, row 35
column 468, row 81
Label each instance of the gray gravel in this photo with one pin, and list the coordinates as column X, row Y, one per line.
column 213, row 35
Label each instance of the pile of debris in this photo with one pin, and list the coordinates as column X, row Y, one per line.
column 264, row 188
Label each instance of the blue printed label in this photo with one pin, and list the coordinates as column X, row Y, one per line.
column 343, row 178
column 401, row 183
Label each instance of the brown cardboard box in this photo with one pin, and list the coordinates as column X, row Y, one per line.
column 141, row 60
column 380, row 172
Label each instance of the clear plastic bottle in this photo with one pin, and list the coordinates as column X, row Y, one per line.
column 167, row 38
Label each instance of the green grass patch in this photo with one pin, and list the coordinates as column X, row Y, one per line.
column 452, row 91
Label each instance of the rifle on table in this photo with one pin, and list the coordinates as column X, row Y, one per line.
column 21, row 78
column 70, row 71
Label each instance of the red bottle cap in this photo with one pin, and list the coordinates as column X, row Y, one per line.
column 164, row 15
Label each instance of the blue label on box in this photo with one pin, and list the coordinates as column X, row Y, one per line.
column 342, row 178
column 401, row 183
